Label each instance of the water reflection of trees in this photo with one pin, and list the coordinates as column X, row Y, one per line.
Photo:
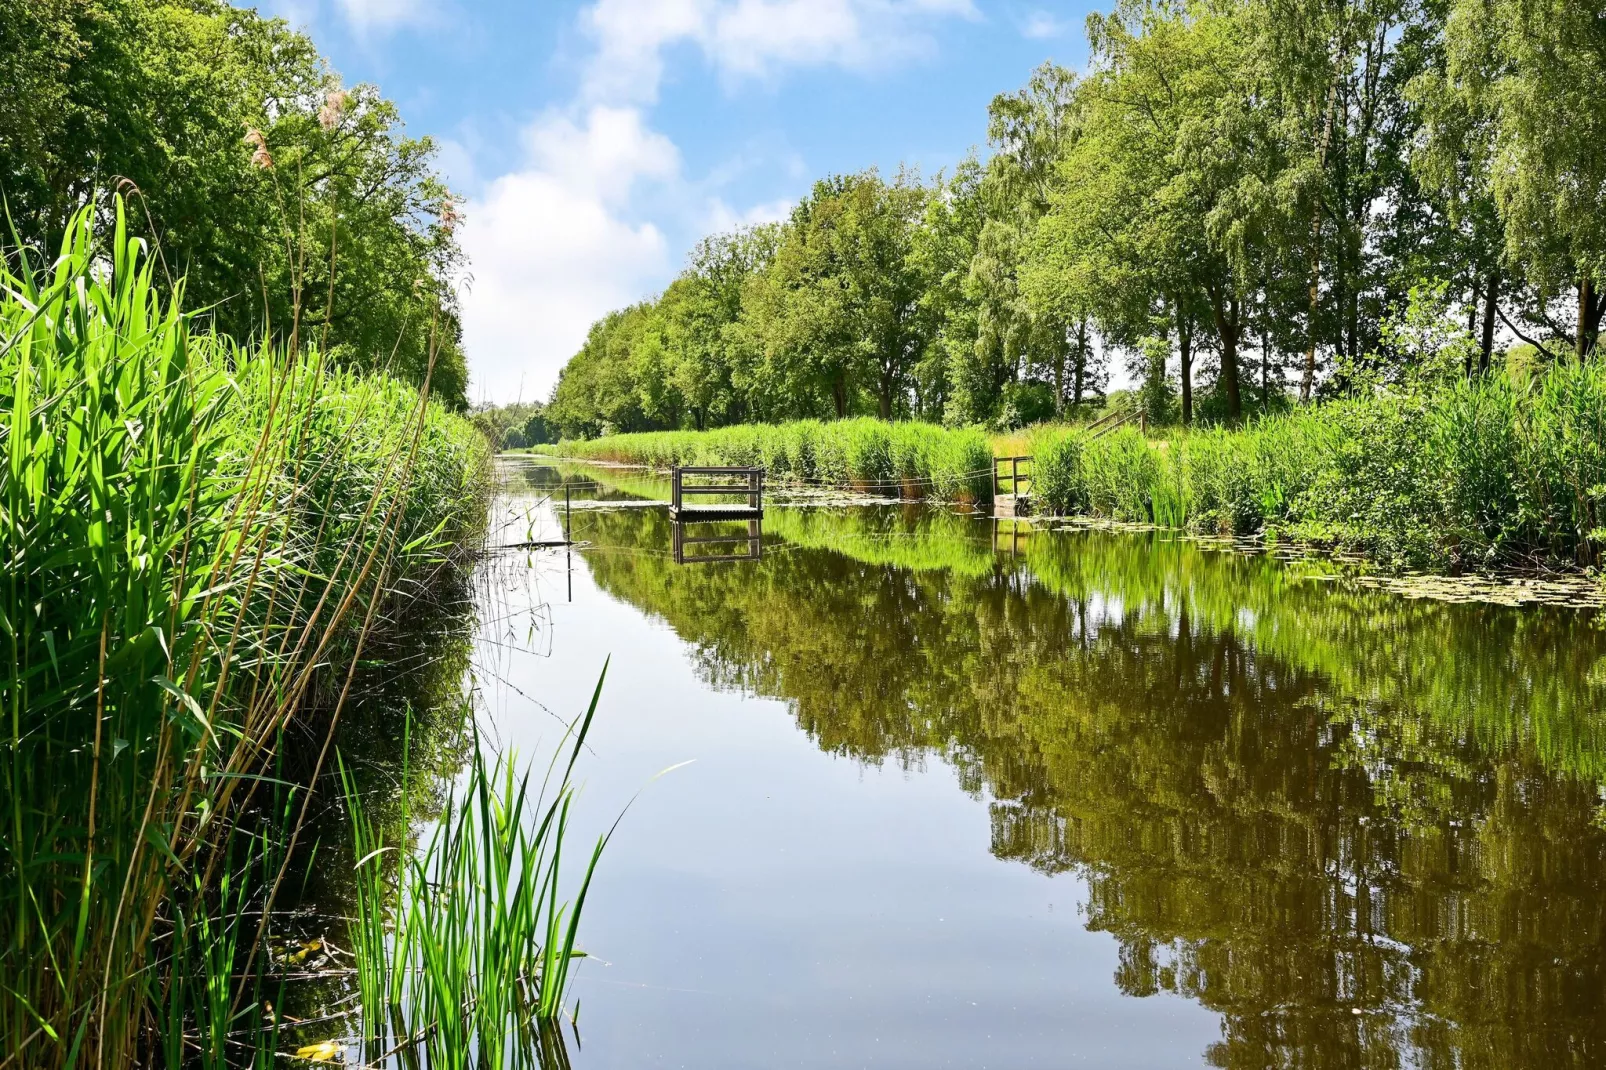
column 1290, row 802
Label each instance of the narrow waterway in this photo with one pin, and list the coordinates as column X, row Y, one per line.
column 969, row 799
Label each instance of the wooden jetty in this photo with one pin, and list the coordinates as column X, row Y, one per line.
column 736, row 482
column 730, row 481
column 1012, row 487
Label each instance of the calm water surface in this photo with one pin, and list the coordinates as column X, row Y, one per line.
column 1070, row 799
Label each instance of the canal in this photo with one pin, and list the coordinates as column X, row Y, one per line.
column 964, row 798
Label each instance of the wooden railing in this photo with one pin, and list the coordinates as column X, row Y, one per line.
column 1014, row 478
column 1114, row 420
column 729, row 481
column 744, row 482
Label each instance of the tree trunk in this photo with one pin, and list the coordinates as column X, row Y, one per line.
column 1265, row 373
column 884, row 398
column 1059, row 370
column 1081, row 361
column 1588, row 317
column 1491, row 297
column 1265, row 345
column 1228, row 327
column 1185, row 350
column 1308, row 385
column 839, row 396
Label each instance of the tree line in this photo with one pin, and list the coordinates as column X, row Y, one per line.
column 291, row 207
column 1238, row 199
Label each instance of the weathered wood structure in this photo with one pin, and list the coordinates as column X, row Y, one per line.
column 735, row 481
column 730, row 481
column 1012, row 487
column 1113, row 421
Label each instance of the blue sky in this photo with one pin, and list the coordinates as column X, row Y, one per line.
column 596, row 141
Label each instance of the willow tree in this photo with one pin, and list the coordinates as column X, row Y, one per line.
column 1029, row 131
column 1165, row 208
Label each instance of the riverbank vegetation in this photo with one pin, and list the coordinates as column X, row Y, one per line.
column 200, row 539
column 1435, row 471
column 1233, row 206
column 874, row 456
column 1459, row 474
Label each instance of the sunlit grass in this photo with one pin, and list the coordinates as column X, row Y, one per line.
column 912, row 460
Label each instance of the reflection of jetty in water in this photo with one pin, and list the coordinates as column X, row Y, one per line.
column 748, row 546
column 730, row 482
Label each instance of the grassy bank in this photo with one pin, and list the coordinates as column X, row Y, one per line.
column 200, row 539
column 1463, row 474
column 912, row 460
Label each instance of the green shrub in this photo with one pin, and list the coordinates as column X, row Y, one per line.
column 867, row 445
column 1219, row 491
column 1562, row 433
column 1121, row 470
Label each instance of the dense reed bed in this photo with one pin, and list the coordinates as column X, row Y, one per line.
column 1495, row 471
column 914, row 460
column 198, row 538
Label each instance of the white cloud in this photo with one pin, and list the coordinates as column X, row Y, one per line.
column 751, row 38
column 721, row 217
column 551, row 252
column 1040, row 25
column 382, row 14
column 606, row 156
column 561, row 241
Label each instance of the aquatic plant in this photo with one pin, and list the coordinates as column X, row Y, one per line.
column 1456, row 474
column 914, row 460
column 198, row 540
column 463, row 948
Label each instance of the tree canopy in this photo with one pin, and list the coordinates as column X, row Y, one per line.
column 292, row 207
column 1240, row 199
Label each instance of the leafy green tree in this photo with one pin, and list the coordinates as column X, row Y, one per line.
column 290, row 206
column 1532, row 71
column 838, row 310
column 596, row 393
column 1364, row 230
column 1233, row 187
column 1161, row 191
column 712, row 356
column 1016, row 340
column 941, row 249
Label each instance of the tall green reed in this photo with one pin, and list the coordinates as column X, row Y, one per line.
column 913, row 460
column 1451, row 474
column 198, row 537
column 465, row 947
